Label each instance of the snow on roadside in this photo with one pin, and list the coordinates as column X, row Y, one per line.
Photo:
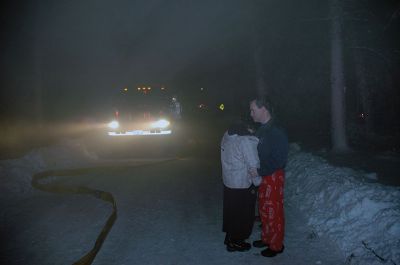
column 16, row 174
column 363, row 218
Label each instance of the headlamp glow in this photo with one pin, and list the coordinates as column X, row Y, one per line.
column 113, row 124
column 160, row 124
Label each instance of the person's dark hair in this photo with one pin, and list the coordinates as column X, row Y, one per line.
column 240, row 128
column 263, row 102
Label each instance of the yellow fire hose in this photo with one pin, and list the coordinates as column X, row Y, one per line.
column 88, row 258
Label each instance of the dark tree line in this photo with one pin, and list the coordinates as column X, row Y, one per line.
column 373, row 57
column 331, row 67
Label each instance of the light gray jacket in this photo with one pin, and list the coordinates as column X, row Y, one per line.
column 238, row 156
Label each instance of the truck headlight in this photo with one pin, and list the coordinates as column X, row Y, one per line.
column 113, row 125
column 160, row 124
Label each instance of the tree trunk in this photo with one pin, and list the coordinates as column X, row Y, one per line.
column 37, row 86
column 260, row 79
column 338, row 128
column 37, row 82
column 363, row 91
column 260, row 83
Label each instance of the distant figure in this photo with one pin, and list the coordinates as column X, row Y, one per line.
column 272, row 151
column 176, row 108
column 238, row 157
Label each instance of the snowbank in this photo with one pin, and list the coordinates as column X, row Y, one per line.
column 363, row 218
column 16, row 174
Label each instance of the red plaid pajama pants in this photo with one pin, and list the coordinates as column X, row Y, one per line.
column 270, row 207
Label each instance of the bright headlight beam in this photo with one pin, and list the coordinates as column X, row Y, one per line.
column 160, row 124
column 113, row 124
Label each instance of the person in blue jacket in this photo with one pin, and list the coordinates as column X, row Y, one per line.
column 273, row 152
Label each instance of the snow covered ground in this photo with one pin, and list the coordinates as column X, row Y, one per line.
column 361, row 216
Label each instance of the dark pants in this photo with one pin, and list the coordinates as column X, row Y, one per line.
column 238, row 212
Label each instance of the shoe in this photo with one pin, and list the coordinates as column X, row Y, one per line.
column 259, row 244
column 227, row 239
column 232, row 246
column 269, row 253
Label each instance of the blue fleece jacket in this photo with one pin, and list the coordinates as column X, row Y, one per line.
column 273, row 148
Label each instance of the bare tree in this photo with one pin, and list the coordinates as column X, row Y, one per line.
column 259, row 69
column 37, row 84
column 363, row 90
column 37, row 59
column 260, row 83
column 373, row 61
column 338, row 127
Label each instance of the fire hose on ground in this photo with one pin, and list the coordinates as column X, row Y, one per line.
column 37, row 183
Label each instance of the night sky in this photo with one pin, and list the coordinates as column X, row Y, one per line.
column 73, row 56
column 82, row 50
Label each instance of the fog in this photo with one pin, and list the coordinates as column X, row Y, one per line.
column 65, row 60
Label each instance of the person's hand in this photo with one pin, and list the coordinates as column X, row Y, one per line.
column 253, row 172
column 255, row 178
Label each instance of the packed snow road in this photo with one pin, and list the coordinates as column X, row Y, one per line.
column 168, row 213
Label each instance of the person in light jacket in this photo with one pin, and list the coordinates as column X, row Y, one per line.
column 238, row 158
